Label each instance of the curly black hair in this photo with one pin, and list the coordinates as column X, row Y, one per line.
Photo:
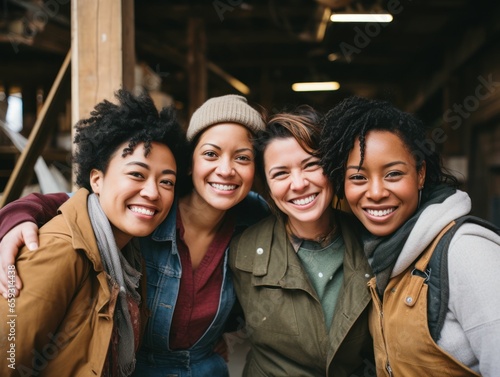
column 353, row 118
column 135, row 120
column 301, row 123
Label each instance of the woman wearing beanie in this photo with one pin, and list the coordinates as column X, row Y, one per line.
column 190, row 291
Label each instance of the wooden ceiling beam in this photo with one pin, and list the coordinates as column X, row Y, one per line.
column 54, row 12
column 210, row 13
column 54, row 39
column 157, row 47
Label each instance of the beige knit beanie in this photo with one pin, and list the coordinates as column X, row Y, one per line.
column 230, row 108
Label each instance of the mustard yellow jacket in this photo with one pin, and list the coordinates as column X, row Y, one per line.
column 61, row 323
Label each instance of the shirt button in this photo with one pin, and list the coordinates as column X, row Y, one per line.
column 367, row 276
column 260, row 251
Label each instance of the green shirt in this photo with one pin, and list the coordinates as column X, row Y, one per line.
column 324, row 266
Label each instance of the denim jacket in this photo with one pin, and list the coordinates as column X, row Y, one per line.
column 164, row 270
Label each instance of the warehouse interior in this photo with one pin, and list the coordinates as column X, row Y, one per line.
column 439, row 59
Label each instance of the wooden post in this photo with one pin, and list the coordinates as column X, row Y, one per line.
column 28, row 93
column 102, row 61
column 3, row 101
column 196, row 63
column 103, row 52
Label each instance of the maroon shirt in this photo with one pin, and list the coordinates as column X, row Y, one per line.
column 111, row 366
column 199, row 291
column 34, row 207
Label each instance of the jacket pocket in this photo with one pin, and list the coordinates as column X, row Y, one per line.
column 271, row 310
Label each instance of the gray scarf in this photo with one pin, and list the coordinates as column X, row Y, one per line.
column 121, row 273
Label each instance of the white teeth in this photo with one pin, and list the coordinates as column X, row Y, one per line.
column 142, row 210
column 304, row 201
column 379, row 213
column 223, row 187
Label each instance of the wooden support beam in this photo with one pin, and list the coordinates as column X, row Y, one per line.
column 4, row 87
column 155, row 46
column 36, row 141
column 103, row 55
column 103, row 48
column 230, row 79
column 28, row 94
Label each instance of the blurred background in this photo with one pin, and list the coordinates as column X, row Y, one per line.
column 439, row 59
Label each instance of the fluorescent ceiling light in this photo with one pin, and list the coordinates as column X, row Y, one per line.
column 315, row 86
column 361, row 17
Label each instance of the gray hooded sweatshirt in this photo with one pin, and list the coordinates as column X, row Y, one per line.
column 471, row 332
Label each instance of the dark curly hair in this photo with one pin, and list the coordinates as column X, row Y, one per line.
column 302, row 123
column 135, row 120
column 353, row 118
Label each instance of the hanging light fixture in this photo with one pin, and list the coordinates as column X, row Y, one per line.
column 318, row 86
column 361, row 17
column 359, row 12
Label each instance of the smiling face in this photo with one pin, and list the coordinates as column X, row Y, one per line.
column 297, row 185
column 136, row 192
column 383, row 194
column 223, row 165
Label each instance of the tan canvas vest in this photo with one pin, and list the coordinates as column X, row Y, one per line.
column 402, row 341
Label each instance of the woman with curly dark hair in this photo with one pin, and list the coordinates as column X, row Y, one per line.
column 80, row 313
column 190, row 289
column 435, row 310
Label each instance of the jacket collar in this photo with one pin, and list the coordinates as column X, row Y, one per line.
column 167, row 230
column 355, row 260
column 75, row 214
column 281, row 268
column 249, row 211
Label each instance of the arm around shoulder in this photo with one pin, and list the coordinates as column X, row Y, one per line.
column 35, row 207
column 19, row 222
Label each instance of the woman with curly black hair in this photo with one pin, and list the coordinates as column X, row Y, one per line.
column 190, row 291
column 435, row 309
column 80, row 313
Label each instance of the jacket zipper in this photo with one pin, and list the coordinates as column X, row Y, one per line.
column 379, row 303
column 389, row 369
column 387, row 364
